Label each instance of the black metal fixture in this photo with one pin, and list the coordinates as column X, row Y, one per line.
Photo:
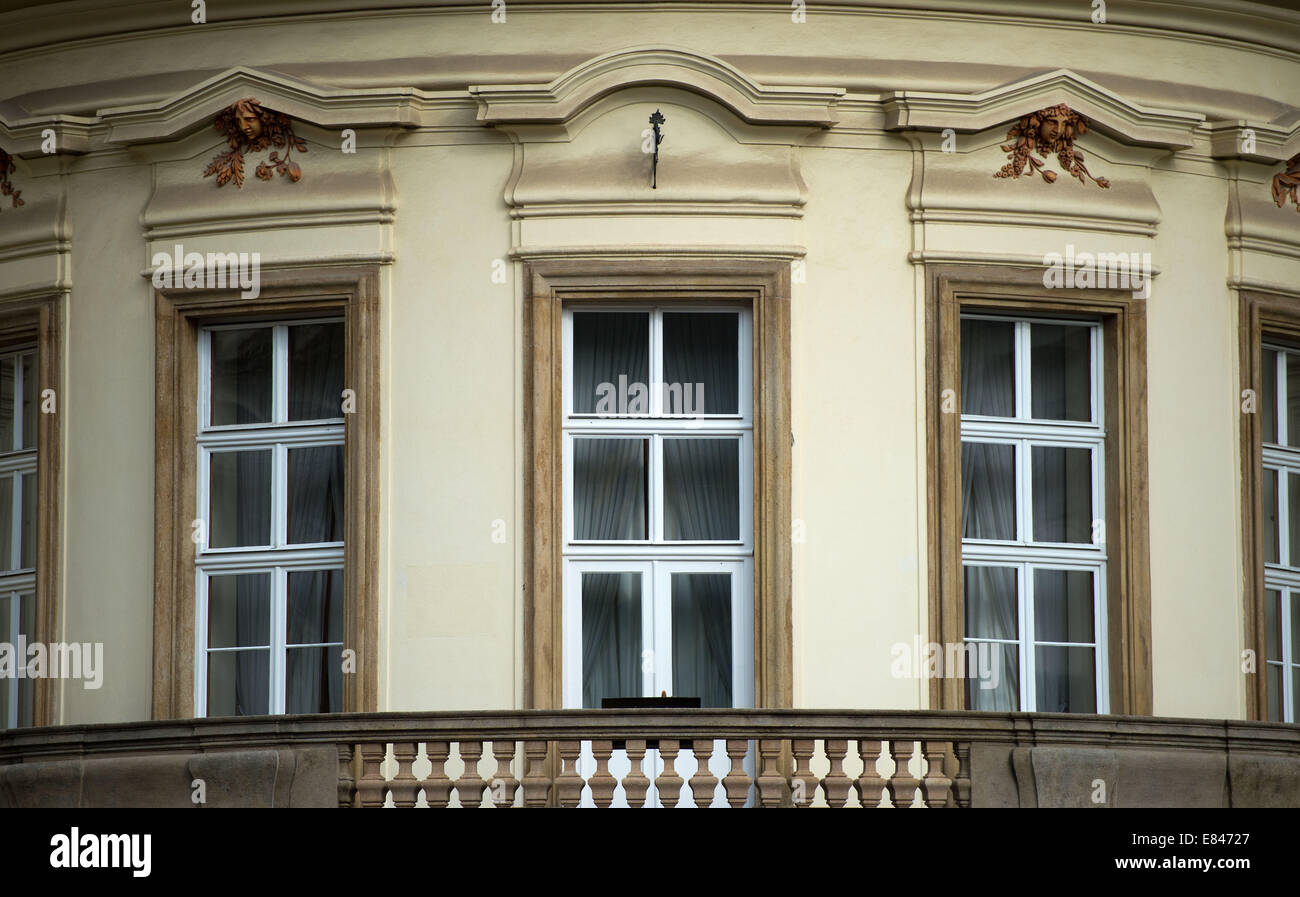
column 656, row 119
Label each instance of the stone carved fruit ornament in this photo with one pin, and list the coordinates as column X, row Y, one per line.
column 250, row 127
column 7, row 188
column 1286, row 182
column 1049, row 131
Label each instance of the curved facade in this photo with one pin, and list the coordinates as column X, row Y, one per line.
column 886, row 211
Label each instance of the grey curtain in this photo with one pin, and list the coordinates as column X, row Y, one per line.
column 609, row 489
column 701, row 348
column 611, row 637
column 991, row 611
column 701, row 489
column 702, row 661
column 605, row 346
column 1065, row 679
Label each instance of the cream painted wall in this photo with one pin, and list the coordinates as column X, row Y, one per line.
column 1192, row 419
column 452, row 375
column 858, row 577
column 108, row 439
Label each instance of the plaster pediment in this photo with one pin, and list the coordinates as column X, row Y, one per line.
column 559, row 101
column 1106, row 111
column 328, row 107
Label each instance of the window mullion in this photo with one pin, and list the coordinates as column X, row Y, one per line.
column 656, row 366
column 16, row 523
column 1028, row 693
column 279, row 496
column 15, row 620
column 280, row 374
column 18, row 402
column 279, row 617
column 1279, row 376
column 1283, row 518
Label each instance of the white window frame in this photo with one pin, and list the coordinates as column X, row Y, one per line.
column 1024, row 553
column 1283, row 575
column 280, row 557
column 18, row 584
column 655, row 558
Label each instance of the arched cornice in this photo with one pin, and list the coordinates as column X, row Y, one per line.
column 299, row 99
column 560, row 100
column 1107, row 111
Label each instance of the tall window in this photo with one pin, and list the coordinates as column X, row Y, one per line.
column 1032, row 514
column 18, row 409
column 1279, row 405
column 269, row 591
column 658, row 515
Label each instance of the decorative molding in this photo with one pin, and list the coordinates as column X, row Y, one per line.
column 1286, row 182
column 25, row 136
column 248, row 125
column 6, row 186
column 1266, row 142
column 1129, row 122
column 328, row 107
column 558, row 101
column 1047, row 131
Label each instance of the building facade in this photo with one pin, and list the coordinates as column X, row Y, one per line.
column 455, row 357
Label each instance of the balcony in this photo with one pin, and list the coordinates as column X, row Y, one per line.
column 602, row 758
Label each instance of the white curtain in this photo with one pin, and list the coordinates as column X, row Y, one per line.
column 701, row 489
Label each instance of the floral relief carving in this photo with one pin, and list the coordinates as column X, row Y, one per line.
column 6, row 186
column 1047, row 132
column 1286, row 182
column 251, row 127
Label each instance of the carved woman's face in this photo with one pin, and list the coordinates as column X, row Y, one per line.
column 1053, row 128
column 249, row 123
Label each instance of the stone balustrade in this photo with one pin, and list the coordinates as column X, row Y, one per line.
column 717, row 758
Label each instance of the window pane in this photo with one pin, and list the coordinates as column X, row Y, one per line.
column 608, row 346
column 1272, row 624
column 1293, row 511
column 30, row 384
column 1066, row 680
column 8, row 384
column 239, row 610
column 241, row 376
column 239, row 683
column 1295, row 693
column 702, row 637
column 240, row 499
column 1063, row 605
column 1062, row 494
column 988, row 490
column 8, row 638
column 1295, row 626
column 992, row 676
column 314, row 682
column 990, row 602
column 1273, row 672
column 7, row 559
column 988, row 373
column 701, row 489
column 1268, row 394
column 1060, row 372
column 701, row 362
column 316, row 362
column 316, row 494
column 315, row 612
column 611, row 637
column 1269, row 502
column 28, row 559
column 609, row 488
column 1293, row 398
